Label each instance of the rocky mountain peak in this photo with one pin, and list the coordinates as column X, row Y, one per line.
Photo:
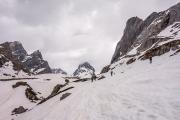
column 84, row 69
column 86, row 65
column 15, row 52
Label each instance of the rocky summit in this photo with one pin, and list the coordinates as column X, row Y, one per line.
column 84, row 70
column 15, row 54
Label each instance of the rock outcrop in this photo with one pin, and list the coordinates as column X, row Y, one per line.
column 19, row 110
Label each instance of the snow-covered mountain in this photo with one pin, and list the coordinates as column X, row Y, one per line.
column 16, row 55
column 141, row 83
column 84, row 70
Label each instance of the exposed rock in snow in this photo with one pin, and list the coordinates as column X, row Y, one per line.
column 19, row 110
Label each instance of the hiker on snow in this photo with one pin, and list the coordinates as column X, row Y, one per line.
column 93, row 77
column 150, row 59
column 111, row 73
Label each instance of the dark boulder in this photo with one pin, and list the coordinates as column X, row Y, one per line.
column 19, row 110
column 31, row 95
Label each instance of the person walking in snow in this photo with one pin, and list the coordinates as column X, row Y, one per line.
column 150, row 59
column 111, row 73
column 93, row 77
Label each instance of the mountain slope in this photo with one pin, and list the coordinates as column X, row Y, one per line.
column 139, row 91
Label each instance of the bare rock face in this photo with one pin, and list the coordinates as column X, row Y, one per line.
column 143, row 34
column 131, row 32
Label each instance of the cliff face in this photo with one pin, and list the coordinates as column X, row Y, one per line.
column 142, row 35
column 132, row 30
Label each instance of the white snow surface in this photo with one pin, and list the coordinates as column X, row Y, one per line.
column 139, row 91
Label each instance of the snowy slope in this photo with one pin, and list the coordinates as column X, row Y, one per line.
column 139, row 91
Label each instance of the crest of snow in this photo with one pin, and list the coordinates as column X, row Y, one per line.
column 1, row 46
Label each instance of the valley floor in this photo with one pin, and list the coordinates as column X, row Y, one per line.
column 139, row 91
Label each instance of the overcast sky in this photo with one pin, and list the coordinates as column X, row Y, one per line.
column 69, row 32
